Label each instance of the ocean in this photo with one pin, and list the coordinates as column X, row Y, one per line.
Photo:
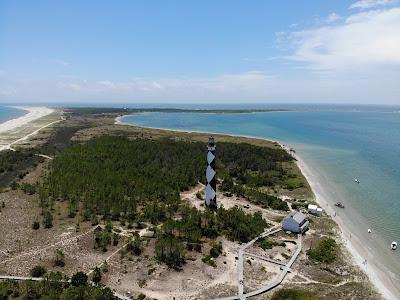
column 8, row 113
column 338, row 146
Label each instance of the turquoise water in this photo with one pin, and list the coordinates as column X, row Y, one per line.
column 340, row 146
column 8, row 113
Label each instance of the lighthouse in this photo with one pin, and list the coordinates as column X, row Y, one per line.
column 211, row 184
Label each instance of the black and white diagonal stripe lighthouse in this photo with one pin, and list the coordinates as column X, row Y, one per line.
column 211, row 186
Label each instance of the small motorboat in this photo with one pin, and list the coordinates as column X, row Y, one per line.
column 356, row 180
column 393, row 245
column 339, row 204
column 369, row 230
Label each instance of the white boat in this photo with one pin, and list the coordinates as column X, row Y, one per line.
column 356, row 180
column 393, row 246
column 369, row 230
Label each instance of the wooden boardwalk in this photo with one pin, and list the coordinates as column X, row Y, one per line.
column 286, row 267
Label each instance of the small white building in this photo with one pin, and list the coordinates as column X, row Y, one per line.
column 295, row 222
column 315, row 210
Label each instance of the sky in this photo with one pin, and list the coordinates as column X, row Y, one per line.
column 217, row 51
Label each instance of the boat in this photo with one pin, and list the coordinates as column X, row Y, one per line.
column 393, row 245
column 369, row 230
column 356, row 180
column 339, row 204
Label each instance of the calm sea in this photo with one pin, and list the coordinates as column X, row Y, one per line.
column 338, row 145
column 8, row 113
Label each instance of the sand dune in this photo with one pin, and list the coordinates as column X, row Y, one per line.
column 33, row 114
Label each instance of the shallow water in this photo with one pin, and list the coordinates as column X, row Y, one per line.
column 8, row 113
column 340, row 146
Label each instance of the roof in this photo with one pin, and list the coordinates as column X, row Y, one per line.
column 297, row 216
column 312, row 206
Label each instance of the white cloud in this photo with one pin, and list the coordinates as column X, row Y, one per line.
column 366, row 4
column 8, row 93
column 247, row 87
column 366, row 39
column 106, row 84
column 333, row 17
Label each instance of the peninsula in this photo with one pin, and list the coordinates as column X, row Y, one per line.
column 118, row 211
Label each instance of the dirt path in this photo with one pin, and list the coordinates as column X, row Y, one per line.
column 107, row 258
column 24, row 138
column 62, row 243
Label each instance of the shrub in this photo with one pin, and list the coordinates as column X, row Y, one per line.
column 216, row 250
column 38, row 271
column 78, row 279
column 265, row 243
column 240, row 226
column 294, row 294
column 35, row 225
column 141, row 297
column 96, row 276
column 170, row 250
column 325, row 251
column 59, row 260
column 209, row 260
column 14, row 185
column 28, row 188
column 47, row 220
column 135, row 245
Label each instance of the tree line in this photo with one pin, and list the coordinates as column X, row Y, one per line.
column 136, row 181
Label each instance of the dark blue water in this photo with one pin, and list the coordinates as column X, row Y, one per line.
column 339, row 145
column 8, row 113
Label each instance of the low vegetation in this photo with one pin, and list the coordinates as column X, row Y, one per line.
column 38, row 271
column 54, row 287
column 326, row 251
column 15, row 165
column 266, row 244
column 294, row 294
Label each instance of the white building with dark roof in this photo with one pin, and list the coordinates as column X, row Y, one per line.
column 295, row 222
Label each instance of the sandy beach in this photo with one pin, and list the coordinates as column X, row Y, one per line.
column 377, row 276
column 21, row 129
column 33, row 114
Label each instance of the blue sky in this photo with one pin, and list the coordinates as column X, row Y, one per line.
column 203, row 51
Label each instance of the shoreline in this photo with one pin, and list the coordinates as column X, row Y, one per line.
column 376, row 275
column 32, row 114
column 20, row 129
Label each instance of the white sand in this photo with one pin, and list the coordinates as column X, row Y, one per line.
column 19, row 125
column 33, row 114
column 376, row 274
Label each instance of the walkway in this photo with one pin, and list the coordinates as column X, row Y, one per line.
column 286, row 267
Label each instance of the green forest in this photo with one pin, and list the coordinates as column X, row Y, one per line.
column 113, row 176
column 136, row 181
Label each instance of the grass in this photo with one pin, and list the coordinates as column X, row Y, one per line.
column 326, row 251
column 294, row 294
column 209, row 260
column 266, row 244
